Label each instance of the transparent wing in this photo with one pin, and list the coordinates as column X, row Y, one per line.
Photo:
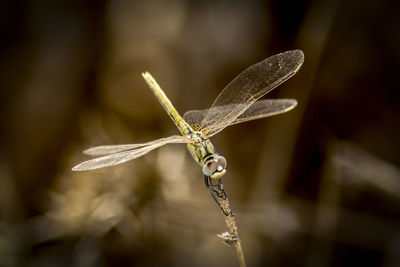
column 118, row 154
column 266, row 108
column 248, row 87
column 260, row 109
column 106, row 150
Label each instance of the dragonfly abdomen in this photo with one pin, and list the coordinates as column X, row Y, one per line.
column 182, row 125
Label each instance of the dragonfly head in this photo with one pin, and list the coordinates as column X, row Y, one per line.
column 214, row 166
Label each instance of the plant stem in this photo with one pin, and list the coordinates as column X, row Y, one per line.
column 233, row 231
column 231, row 237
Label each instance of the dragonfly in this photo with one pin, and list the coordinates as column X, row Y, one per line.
column 238, row 102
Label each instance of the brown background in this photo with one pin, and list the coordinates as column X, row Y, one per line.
column 318, row 186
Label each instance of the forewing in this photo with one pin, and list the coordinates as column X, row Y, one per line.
column 248, row 87
column 260, row 109
column 124, row 156
column 112, row 149
column 266, row 108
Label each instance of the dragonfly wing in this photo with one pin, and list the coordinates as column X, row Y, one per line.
column 260, row 109
column 124, row 156
column 266, row 108
column 112, row 149
column 194, row 117
column 248, row 87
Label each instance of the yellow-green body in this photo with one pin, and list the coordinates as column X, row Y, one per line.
column 201, row 148
column 237, row 103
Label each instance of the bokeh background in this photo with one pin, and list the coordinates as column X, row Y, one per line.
column 318, row 186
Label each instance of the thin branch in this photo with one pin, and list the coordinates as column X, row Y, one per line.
column 231, row 237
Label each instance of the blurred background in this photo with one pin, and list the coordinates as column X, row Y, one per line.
column 318, row 186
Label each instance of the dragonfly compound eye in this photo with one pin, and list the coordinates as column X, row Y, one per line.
column 210, row 167
column 215, row 167
column 221, row 163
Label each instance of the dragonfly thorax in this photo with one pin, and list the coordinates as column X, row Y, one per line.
column 204, row 154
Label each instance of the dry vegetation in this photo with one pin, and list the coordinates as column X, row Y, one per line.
column 319, row 186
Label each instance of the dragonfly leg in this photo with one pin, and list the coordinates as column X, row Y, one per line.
column 217, row 192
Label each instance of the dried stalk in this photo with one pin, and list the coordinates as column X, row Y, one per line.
column 231, row 237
